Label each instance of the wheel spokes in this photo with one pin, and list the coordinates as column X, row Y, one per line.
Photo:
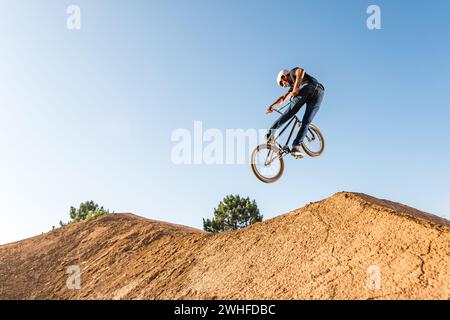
column 267, row 163
column 313, row 141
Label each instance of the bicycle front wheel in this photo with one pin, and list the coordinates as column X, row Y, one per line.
column 267, row 163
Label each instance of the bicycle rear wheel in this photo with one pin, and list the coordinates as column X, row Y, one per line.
column 267, row 163
column 313, row 143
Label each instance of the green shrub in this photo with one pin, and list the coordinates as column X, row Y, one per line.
column 87, row 210
column 233, row 213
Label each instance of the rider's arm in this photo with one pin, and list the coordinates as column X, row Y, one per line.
column 299, row 74
column 278, row 101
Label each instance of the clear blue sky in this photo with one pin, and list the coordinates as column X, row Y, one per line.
column 88, row 114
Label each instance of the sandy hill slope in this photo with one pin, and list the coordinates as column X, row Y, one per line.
column 349, row 246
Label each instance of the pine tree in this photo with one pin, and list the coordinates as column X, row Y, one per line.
column 233, row 213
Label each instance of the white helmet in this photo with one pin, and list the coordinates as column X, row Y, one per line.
column 283, row 72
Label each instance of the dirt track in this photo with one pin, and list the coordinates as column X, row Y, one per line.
column 343, row 247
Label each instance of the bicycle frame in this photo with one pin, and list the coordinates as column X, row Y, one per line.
column 283, row 150
column 296, row 121
column 293, row 119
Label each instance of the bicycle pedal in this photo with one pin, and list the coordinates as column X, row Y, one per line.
column 298, row 156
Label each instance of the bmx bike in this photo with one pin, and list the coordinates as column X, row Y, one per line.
column 267, row 161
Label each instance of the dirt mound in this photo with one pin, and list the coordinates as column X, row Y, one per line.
column 349, row 246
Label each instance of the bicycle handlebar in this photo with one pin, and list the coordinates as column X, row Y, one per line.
column 278, row 110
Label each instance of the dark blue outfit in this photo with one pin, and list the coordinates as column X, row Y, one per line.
column 311, row 93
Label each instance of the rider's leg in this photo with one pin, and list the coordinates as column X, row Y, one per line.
column 312, row 107
column 294, row 106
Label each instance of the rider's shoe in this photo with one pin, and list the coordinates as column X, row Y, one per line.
column 296, row 151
